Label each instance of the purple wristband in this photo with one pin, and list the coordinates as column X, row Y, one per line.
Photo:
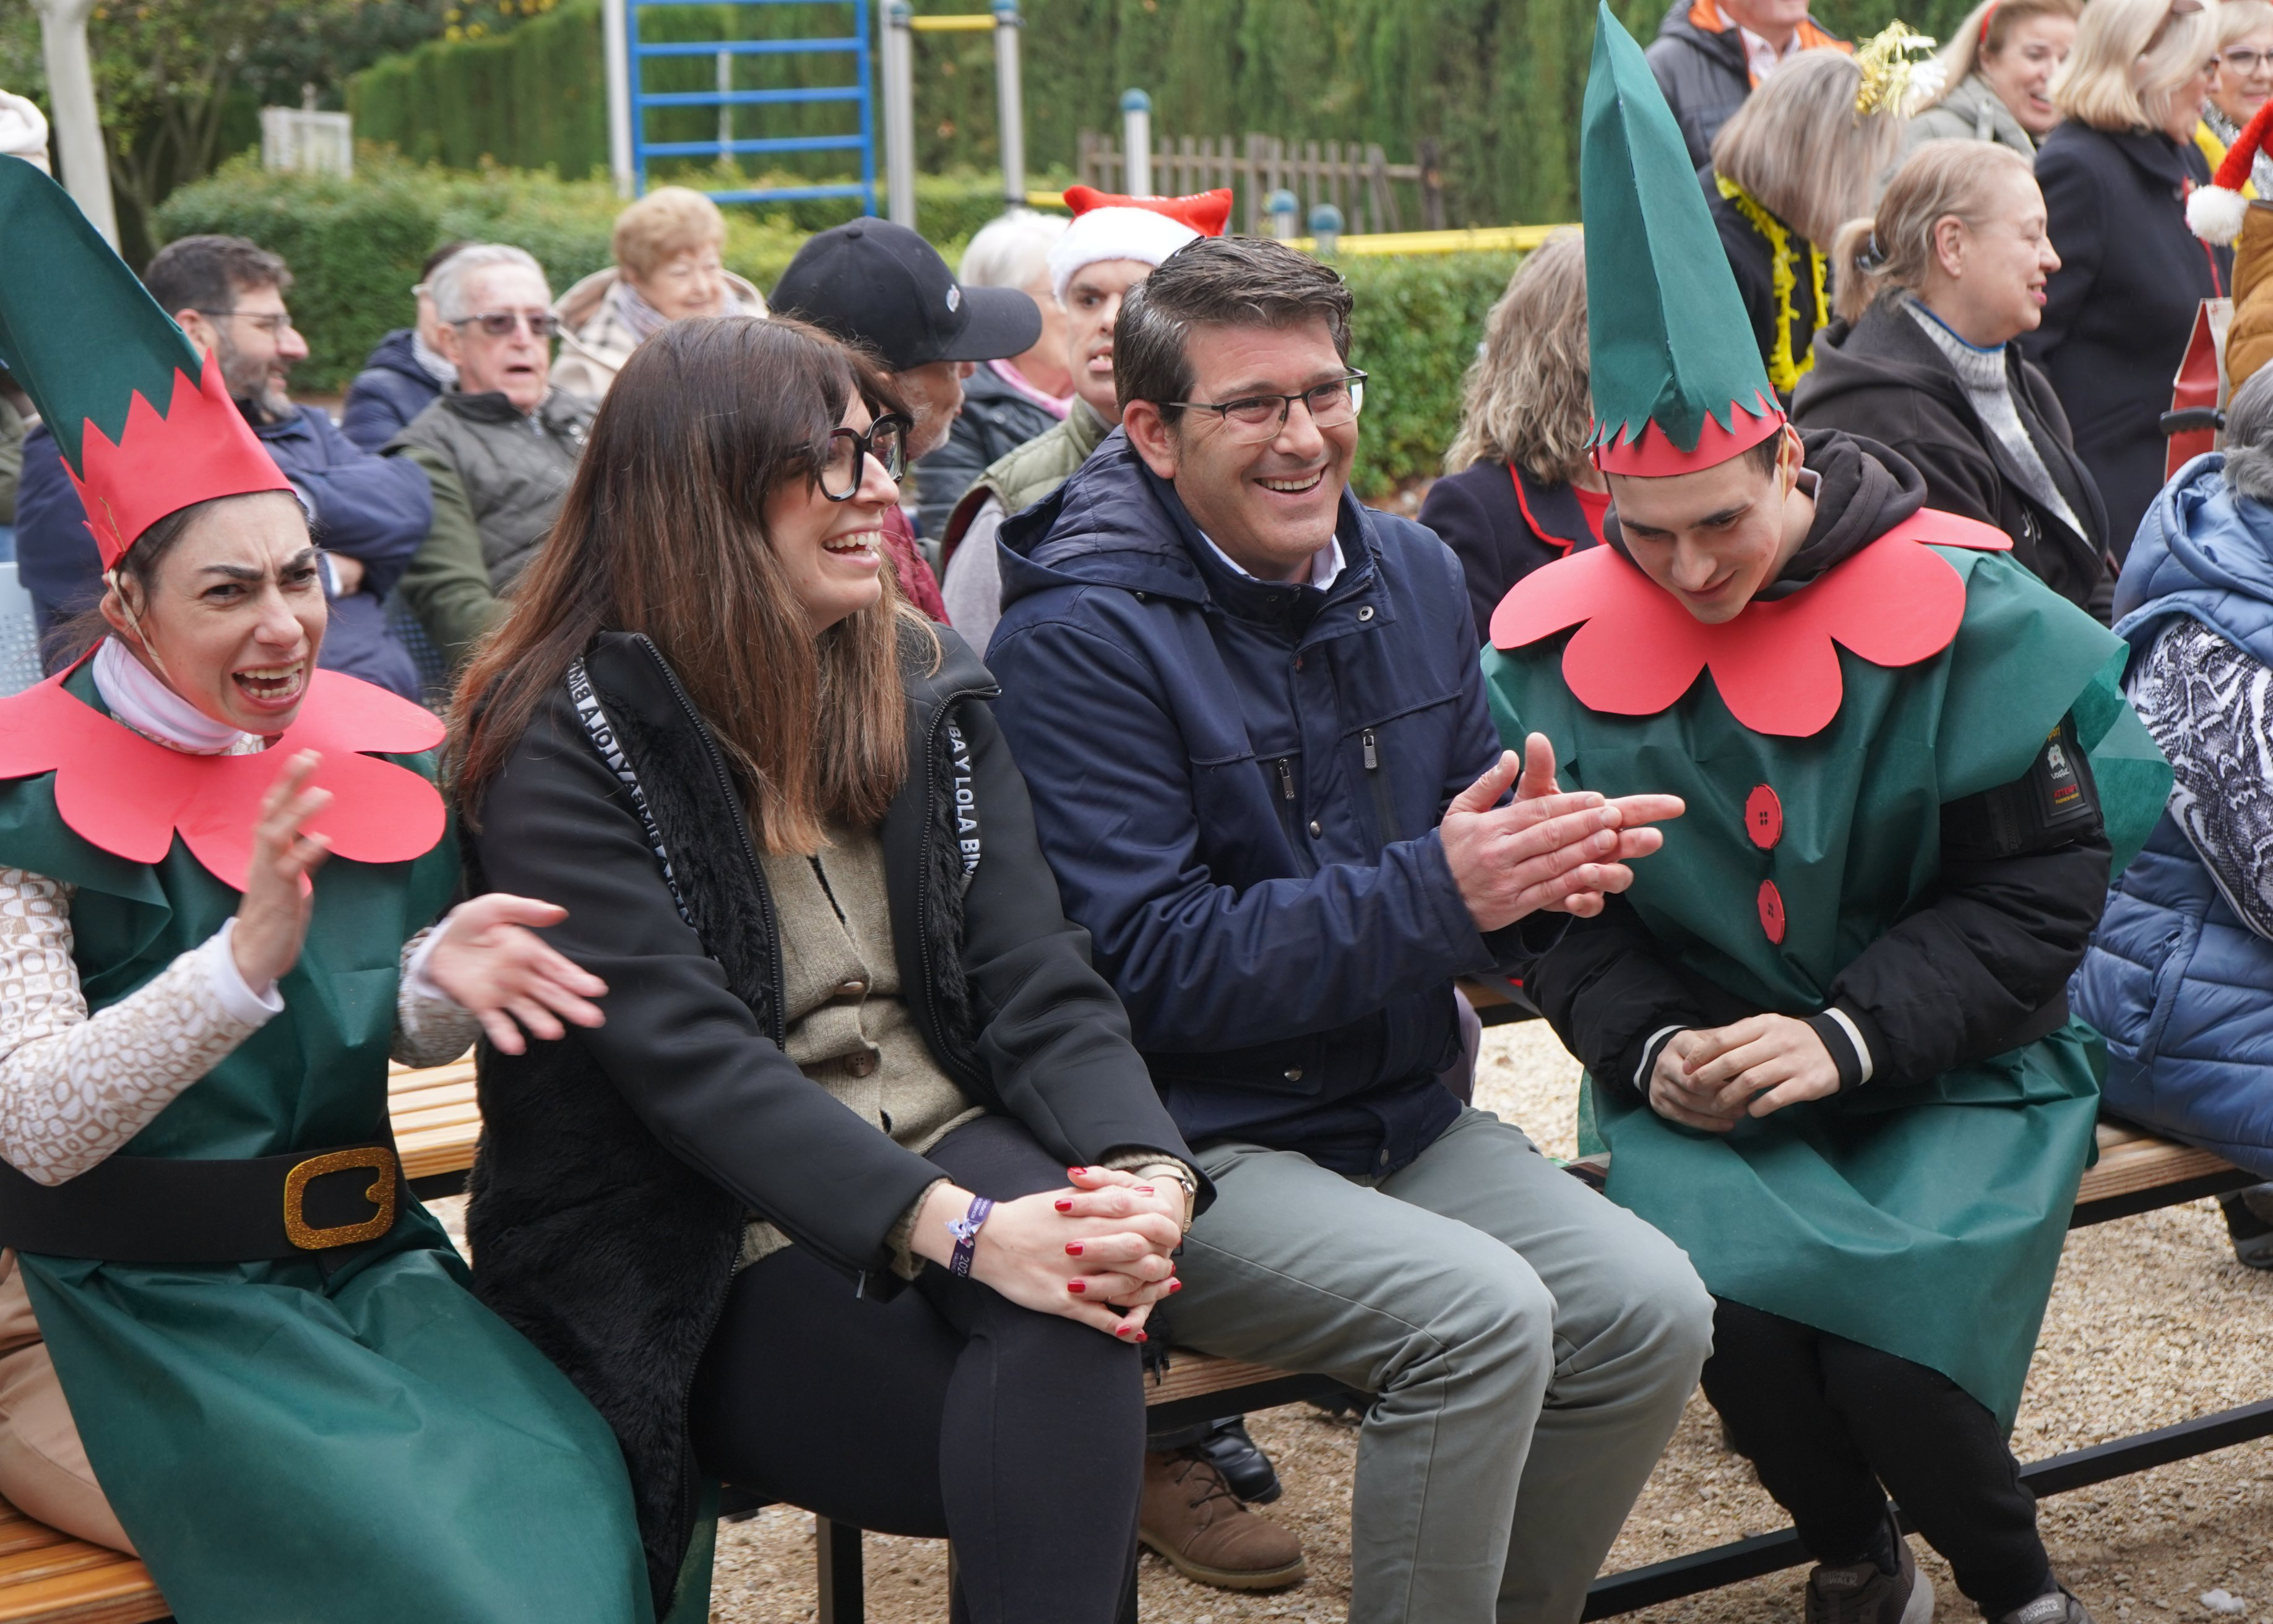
column 965, row 1231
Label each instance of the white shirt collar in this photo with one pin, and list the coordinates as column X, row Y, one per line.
column 1760, row 57
column 1325, row 564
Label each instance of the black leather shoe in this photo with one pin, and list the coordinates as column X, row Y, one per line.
column 1245, row 1468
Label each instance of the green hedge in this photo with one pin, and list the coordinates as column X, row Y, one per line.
column 1496, row 83
column 354, row 246
column 1416, row 328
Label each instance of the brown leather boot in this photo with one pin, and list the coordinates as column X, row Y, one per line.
column 1191, row 1517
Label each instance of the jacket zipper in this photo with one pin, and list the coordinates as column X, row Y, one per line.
column 1383, row 814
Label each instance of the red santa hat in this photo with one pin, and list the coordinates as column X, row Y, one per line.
column 1107, row 226
column 2215, row 211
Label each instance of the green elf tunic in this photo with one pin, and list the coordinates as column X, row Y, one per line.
column 1815, row 757
column 354, row 1441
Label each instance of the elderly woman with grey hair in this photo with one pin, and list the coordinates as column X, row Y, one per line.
column 2176, row 975
column 1005, row 403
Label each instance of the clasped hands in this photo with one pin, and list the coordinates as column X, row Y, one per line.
column 1713, row 1079
column 1546, row 849
column 1103, row 1242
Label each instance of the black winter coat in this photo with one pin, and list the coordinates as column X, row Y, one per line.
column 2119, row 310
column 1502, row 524
column 1703, row 73
column 619, row 1166
column 1884, row 378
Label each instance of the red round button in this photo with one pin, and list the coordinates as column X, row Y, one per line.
column 1764, row 817
column 1771, row 905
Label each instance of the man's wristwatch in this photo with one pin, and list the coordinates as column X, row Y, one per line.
column 965, row 1231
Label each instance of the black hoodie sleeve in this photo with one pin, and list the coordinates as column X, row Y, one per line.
column 1610, row 993
column 2023, row 879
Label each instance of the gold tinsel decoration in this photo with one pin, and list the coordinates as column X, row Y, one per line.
column 1892, row 82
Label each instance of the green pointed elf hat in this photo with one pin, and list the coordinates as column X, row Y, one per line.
column 145, row 423
column 1677, row 380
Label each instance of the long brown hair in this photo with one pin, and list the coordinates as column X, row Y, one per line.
column 1524, row 399
column 663, row 532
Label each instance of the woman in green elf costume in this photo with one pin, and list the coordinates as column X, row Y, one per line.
column 1826, row 1037
column 229, row 1341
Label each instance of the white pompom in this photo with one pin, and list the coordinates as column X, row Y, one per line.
column 2215, row 215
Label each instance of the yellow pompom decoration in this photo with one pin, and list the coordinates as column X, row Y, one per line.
column 1892, row 82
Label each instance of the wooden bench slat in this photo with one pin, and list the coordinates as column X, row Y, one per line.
column 1190, row 1375
column 443, row 1115
column 105, row 1587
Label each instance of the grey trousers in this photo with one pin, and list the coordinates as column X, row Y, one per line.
column 1531, row 1345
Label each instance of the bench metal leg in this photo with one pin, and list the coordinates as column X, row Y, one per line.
column 1766, row 1553
column 844, row 1584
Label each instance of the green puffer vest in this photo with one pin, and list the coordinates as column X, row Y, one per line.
column 515, row 468
column 1023, row 476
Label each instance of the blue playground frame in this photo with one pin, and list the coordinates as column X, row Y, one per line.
column 861, row 91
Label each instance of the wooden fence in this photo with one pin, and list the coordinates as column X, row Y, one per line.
column 1355, row 177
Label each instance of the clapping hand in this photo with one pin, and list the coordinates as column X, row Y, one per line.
column 1546, row 848
column 493, row 965
column 272, row 920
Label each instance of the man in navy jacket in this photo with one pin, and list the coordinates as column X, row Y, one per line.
column 1252, row 717
column 367, row 513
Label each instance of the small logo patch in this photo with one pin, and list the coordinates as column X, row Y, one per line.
column 954, row 300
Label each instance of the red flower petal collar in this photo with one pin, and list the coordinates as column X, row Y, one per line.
column 129, row 795
column 1637, row 651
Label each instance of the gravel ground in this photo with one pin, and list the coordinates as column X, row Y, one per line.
column 2151, row 1321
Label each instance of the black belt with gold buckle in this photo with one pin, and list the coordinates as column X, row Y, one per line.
column 153, row 1209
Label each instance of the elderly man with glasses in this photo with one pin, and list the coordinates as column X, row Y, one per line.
column 367, row 514
column 498, row 447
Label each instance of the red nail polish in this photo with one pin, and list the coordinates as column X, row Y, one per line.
column 1143, row 1189
column 1077, row 1287
column 1121, row 1330
column 1073, row 1249
column 1065, row 1205
column 1141, row 1337
column 1175, row 1286
column 1075, row 1172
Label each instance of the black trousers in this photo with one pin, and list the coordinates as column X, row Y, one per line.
column 948, row 1412
column 1827, row 1422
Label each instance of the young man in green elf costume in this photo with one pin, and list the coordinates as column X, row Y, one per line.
column 230, row 1341
column 1826, row 1037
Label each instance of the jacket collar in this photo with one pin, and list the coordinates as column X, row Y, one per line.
column 1551, row 510
column 2153, row 153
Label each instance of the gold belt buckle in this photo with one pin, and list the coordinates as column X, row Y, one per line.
column 379, row 1159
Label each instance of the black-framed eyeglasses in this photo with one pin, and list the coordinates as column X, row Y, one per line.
column 1255, row 418
column 844, row 459
column 273, row 322
column 498, row 323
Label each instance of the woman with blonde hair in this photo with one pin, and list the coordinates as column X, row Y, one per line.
column 1933, row 287
column 2238, row 89
column 1997, row 75
column 1519, row 489
column 1798, row 158
column 668, row 267
column 2117, row 313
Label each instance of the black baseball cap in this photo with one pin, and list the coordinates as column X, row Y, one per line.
column 880, row 284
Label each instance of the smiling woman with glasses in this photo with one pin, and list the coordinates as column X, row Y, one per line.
column 2239, row 85
column 799, row 1217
